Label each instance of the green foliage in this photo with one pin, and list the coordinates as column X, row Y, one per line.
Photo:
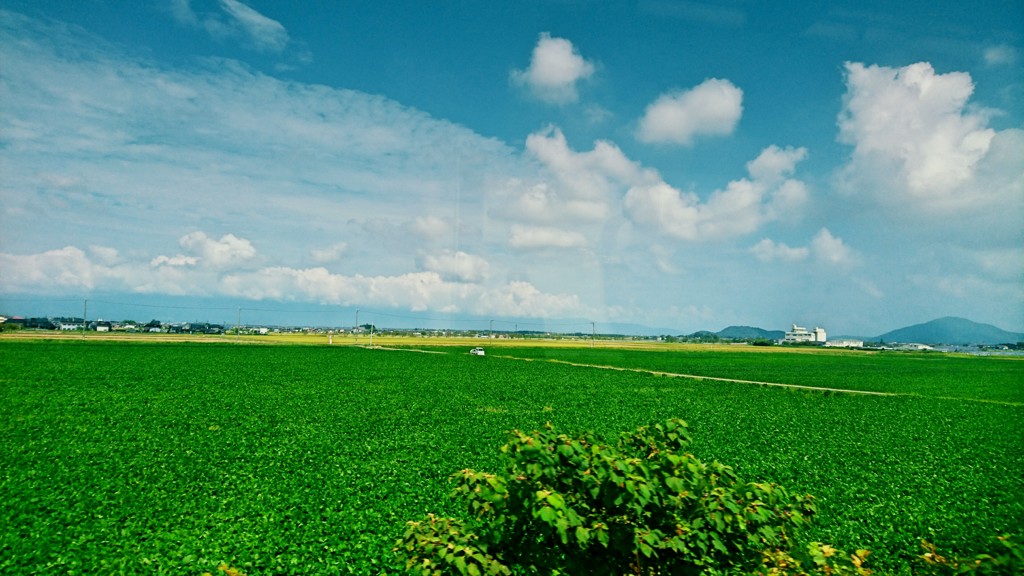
column 995, row 379
column 1007, row 560
column 815, row 558
column 169, row 458
column 643, row 505
column 227, row 570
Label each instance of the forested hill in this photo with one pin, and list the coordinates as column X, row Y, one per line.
column 952, row 330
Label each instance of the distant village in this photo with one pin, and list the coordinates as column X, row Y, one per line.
column 795, row 336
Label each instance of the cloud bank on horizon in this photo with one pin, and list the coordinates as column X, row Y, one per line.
column 215, row 176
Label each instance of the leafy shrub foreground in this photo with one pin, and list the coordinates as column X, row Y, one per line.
column 641, row 506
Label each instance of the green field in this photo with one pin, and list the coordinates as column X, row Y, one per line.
column 168, row 458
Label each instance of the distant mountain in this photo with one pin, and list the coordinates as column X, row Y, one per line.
column 749, row 332
column 952, row 330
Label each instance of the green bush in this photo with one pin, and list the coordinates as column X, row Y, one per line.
column 643, row 505
column 1008, row 559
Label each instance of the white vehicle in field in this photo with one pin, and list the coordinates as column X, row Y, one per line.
column 478, row 351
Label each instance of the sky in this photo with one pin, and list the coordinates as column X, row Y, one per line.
column 678, row 165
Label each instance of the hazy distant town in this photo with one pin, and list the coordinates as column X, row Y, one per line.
column 965, row 341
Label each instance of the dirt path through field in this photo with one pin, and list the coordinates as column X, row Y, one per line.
column 715, row 378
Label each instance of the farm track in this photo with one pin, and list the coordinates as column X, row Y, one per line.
column 760, row 383
column 714, row 378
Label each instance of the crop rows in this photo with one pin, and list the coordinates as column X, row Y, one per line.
column 993, row 379
column 171, row 458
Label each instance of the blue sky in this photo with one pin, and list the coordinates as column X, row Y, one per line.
column 675, row 164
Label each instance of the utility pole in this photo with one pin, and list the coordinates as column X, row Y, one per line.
column 238, row 326
column 593, row 334
column 85, row 316
column 357, row 326
column 490, row 330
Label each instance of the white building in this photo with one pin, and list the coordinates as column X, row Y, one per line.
column 801, row 334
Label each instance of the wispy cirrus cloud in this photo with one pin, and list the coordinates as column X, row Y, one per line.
column 232, row 18
column 217, row 145
column 1000, row 55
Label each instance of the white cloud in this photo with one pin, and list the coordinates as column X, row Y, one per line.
column 574, row 194
column 266, row 33
column 663, row 259
column 47, row 272
column 741, row 208
column 832, row 250
column 824, row 247
column 597, row 114
column 540, row 237
column 456, row 282
column 712, row 108
column 416, row 291
column 768, row 251
column 105, row 255
column 918, row 143
column 235, row 19
column 1001, row 55
column 525, row 300
column 177, row 261
column 555, row 69
column 774, row 163
column 216, row 146
column 230, row 250
column 456, row 266
column 331, row 253
column 431, row 228
column 583, row 176
column 1003, row 264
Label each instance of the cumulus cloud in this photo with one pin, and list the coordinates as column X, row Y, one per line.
column 824, row 247
column 105, row 254
column 832, row 250
column 456, row 266
column 523, row 299
column 585, row 174
column 740, row 208
column 417, row 291
column 768, row 250
column 576, row 192
column 711, row 108
column 917, row 142
column 229, row 250
column 555, row 69
column 179, row 260
column 331, row 253
column 774, row 163
column 63, row 268
column 540, row 237
column 454, row 283
column 431, row 228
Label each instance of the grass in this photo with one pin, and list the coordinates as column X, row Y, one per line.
column 169, row 458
